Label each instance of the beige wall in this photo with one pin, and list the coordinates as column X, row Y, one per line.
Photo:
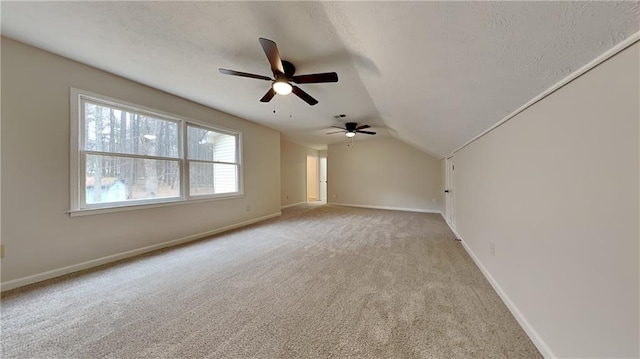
column 37, row 231
column 383, row 173
column 555, row 190
column 293, row 168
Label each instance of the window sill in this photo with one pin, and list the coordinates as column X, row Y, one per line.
column 179, row 202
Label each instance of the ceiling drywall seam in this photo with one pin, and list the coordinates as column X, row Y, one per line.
column 619, row 47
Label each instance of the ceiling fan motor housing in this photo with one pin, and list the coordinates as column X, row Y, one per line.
column 351, row 126
column 289, row 70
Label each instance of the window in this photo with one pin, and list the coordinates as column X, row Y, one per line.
column 212, row 159
column 124, row 155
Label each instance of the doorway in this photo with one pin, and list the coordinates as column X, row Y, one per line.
column 312, row 179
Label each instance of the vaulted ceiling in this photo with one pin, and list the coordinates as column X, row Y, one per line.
column 433, row 74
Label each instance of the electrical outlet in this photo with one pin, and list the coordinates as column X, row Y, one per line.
column 248, row 208
column 287, row 196
column 492, row 249
column 335, row 196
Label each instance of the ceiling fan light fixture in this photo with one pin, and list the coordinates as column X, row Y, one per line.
column 351, row 134
column 282, row 87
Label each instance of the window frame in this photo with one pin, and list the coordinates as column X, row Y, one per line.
column 78, row 204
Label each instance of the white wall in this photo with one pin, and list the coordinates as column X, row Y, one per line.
column 383, row 173
column 293, row 168
column 556, row 190
column 37, row 232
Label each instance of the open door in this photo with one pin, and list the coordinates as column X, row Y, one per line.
column 323, row 178
column 449, row 193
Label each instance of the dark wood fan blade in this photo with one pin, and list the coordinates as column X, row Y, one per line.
column 331, row 133
column 268, row 96
column 304, row 96
column 316, row 78
column 362, row 127
column 366, row 132
column 271, row 50
column 244, row 74
column 342, row 128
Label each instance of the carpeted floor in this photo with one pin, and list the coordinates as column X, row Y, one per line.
column 319, row 281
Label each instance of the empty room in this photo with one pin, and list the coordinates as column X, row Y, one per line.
column 316, row 179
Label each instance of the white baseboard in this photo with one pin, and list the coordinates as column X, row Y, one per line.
column 524, row 323
column 292, row 205
column 385, row 207
column 15, row 283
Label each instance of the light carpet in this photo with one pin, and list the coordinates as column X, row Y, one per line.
column 317, row 282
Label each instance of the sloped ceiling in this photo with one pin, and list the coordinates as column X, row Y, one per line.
column 433, row 74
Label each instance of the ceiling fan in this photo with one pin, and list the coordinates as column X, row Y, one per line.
column 283, row 73
column 351, row 128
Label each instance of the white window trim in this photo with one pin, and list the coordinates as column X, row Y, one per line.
column 77, row 168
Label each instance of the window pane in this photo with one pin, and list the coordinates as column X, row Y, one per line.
column 212, row 178
column 129, row 179
column 113, row 130
column 226, row 178
column 209, row 145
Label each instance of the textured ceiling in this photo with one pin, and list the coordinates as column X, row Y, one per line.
column 433, row 74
